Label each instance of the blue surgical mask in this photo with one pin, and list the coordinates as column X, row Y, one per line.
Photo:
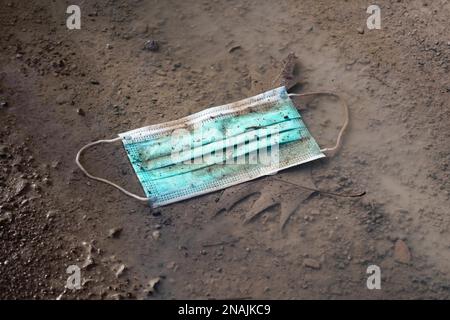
column 217, row 148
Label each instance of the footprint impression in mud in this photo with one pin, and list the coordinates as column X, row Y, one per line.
column 271, row 193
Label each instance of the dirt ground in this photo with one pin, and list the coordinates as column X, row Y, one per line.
column 60, row 89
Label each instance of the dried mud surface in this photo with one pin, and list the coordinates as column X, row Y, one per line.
column 60, row 89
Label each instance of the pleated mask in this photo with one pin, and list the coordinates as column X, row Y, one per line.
column 218, row 147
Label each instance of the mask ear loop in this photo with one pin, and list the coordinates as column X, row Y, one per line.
column 346, row 115
column 77, row 161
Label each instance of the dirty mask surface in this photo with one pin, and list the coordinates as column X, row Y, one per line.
column 217, row 148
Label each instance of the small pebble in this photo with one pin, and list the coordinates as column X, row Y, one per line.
column 114, row 232
column 120, row 270
column 3, row 150
column 151, row 45
column 401, row 252
column 156, row 235
column 311, row 263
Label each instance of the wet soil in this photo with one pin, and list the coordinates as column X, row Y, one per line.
column 60, row 89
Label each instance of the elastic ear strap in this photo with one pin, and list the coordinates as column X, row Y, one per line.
column 346, row 114
column 77, row 160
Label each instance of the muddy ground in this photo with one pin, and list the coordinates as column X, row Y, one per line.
column 60, row 89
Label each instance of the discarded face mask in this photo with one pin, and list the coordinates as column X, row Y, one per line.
column 218, row 147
